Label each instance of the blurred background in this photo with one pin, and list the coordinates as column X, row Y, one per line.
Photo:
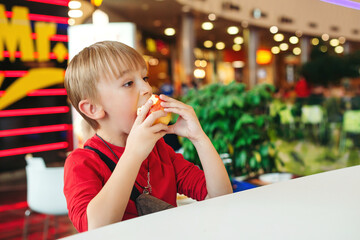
column 275, row 84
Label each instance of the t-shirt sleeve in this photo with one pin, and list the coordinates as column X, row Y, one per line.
column 82, row 182
column 190, row 179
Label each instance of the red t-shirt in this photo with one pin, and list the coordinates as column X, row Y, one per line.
column 85, row 175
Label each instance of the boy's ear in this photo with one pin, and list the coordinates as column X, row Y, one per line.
column 91, row 110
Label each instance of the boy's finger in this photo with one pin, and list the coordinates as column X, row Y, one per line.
column 167, row 98
column 149, row 121
column 143, row 111
column 171, row 102
column 161, row 134
column 170, row 129
column 159, row 127
column 177, row 104
column 184, row 113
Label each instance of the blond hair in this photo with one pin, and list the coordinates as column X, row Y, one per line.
column 102, row 60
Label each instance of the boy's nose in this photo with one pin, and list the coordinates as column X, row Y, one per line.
column 145, row 88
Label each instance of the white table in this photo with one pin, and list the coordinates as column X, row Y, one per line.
column 321, row 206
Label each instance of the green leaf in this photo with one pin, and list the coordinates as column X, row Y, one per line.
column 259, row 121
column 221, row 112
column 249, row 140
column 241, row 142
column 264, row 150
column 246, row 119
column 265, row 163
column 255, row 99
column 252, row 162
column 239, row 102
column 238, row 125
column 241, row 160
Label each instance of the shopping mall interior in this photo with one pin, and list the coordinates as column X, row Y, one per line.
column 274, row 84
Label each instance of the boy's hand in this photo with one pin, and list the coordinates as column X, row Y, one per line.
column 144, row 135
column 187, row 124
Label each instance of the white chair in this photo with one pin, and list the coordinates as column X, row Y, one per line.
column 313, row 121
column 312, row 114
column 351, row 124
column 44, row 192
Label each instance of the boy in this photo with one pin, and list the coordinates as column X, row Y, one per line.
column 107, row 83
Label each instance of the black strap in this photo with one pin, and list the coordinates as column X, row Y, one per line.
column 103, row 157
column 135, row 192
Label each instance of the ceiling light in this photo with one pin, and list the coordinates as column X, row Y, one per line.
column 274, row 29
column 278, row 37
column 153, row 61
column 74, row 4
column 169, row 32
column 334, row 42
column 212, row 17
column 71, row 21
column 293, row 40
column 325, row 37
column 298, row 33
column 75, row 13
column 220, row 45
column 339, row 49
column 203, row 63
column 342, row 40
column 233, row 30
column 197, row 63
column 315, row 41
column 239, row 40
column 238, row 64
column 275, row 50
column 323, row 49
column 236, row 47
column 207, row 26
column 297, row 51
column 199, row 73
column 284, row 46
column 208, row 44
column 100, row 18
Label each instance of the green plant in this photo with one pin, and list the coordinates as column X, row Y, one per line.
column 236, row 122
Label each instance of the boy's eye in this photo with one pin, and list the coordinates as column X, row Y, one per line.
column 128, row 84
column 146, row 79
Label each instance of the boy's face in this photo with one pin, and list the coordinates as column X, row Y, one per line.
column 121, row 98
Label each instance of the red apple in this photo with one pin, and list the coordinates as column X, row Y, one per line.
column 156, row 107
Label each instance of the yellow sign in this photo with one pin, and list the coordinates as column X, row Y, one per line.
column 15, row 34
column 18, row 32
column 2, row 77
column 36, row 78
